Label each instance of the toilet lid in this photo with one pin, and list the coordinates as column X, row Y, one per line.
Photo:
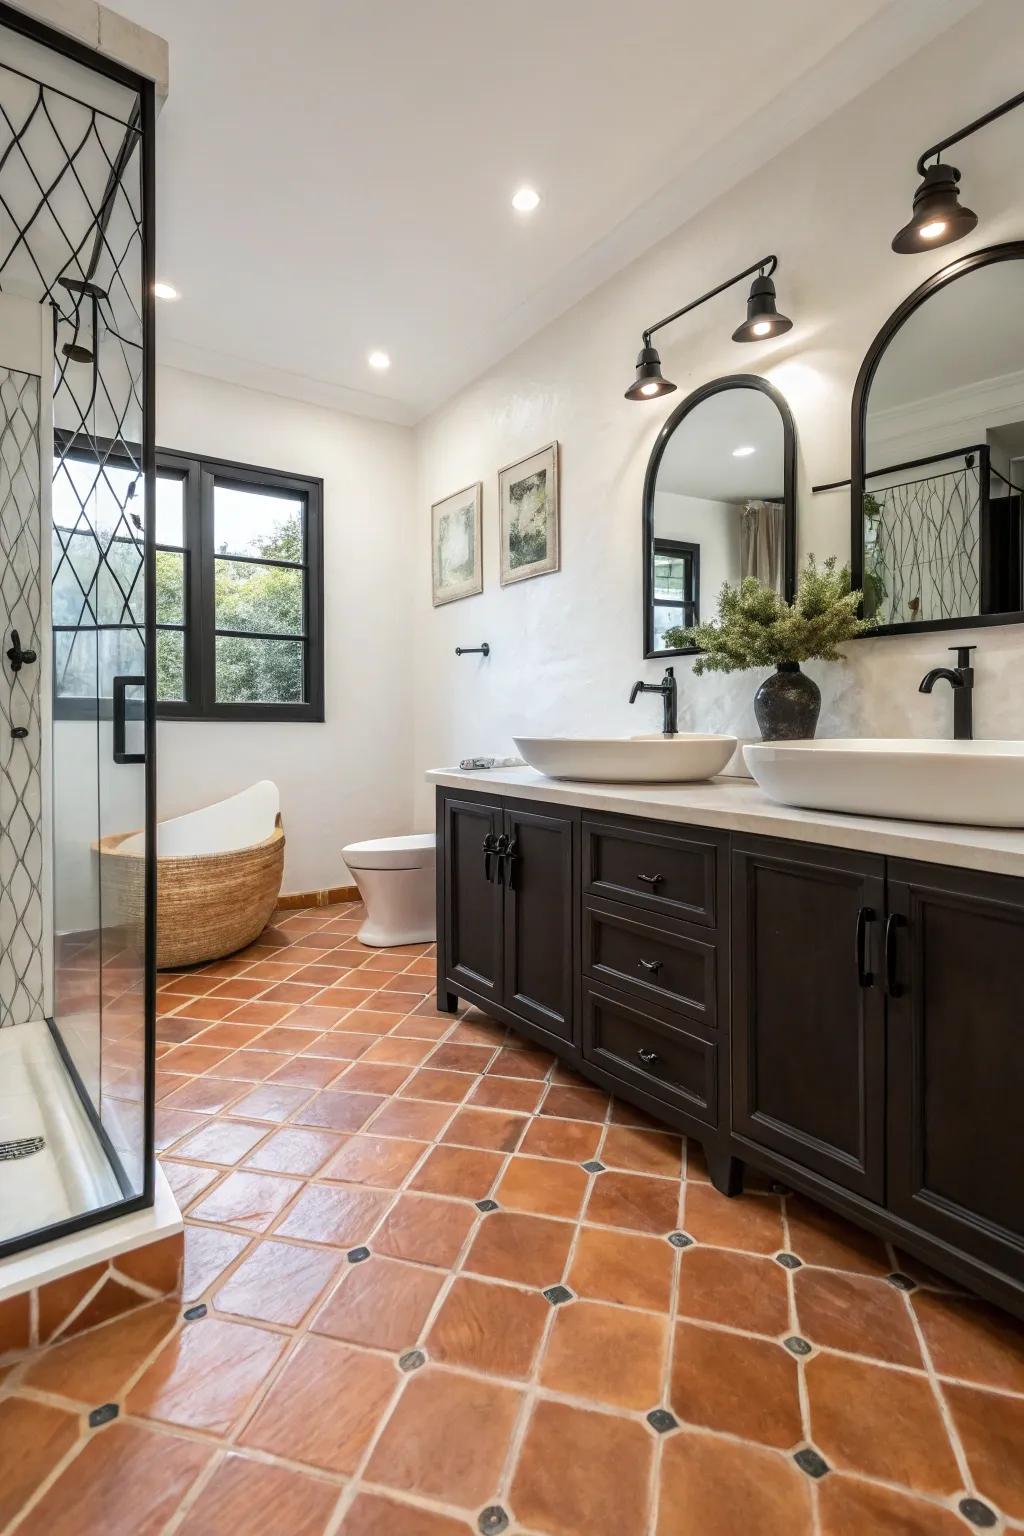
column 413, row 851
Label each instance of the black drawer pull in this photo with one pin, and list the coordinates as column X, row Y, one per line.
column 865, row 917
column 651, row 879
column 648, row 1058
column 490, row 851
column 654, row 966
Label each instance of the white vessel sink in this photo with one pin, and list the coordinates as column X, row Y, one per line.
column 628, row 759
column 972, row 783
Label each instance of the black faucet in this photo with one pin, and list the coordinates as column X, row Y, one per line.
column 669, row 696
column 961, row 679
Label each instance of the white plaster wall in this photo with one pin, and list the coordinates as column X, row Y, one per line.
column 715, row 526
column 348, row 778
column 566, row 647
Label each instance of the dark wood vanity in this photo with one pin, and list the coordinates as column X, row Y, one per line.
column 848, row 1022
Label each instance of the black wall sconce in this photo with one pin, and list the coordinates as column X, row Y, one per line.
column 938, row 218
column 763, row 320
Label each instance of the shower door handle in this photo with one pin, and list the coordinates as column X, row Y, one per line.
column 121, row 684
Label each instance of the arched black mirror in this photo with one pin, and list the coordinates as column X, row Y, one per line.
column 938, row 452
column 719, row 503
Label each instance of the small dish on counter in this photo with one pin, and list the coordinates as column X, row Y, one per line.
column 680, row 759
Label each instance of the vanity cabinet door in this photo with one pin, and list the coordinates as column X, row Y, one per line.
column 955, row 970
column 537, row 873
column 471, row 902
column 808, row 1018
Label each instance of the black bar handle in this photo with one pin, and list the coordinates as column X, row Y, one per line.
column 507, row 857
column 654, row 966
column 490, row 850
column 865, row 916
column 893, row 924
column 121, row 685
column 651, row 879
column 473, row 650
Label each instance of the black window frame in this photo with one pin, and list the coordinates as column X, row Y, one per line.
column 690, row 555
column 200, row 475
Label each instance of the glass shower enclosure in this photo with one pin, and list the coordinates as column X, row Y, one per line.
column 77, row 770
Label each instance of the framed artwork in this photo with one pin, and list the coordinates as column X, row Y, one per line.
column 455, row 538
column 528, row 501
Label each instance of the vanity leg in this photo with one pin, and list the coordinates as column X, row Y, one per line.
column 447, row 1002
column 724, row 1170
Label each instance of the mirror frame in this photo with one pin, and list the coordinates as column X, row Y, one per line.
column 1011, row 250
column 692, row 400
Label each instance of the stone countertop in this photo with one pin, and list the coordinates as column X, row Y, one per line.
column 738, row 805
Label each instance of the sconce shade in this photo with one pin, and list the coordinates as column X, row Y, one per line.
column 938, row 218
column 763, row 318
column 649, row 383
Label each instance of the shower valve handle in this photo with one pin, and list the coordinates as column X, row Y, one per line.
column 17, row 657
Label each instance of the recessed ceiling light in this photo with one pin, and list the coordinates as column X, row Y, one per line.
column 525, row 200
column 379, row 360
column 165, row 291
column 743, row 452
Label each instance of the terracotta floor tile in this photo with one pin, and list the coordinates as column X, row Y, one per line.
column 737, row 1385
column 343, row 1046
column 881, row 1422
column 445, row 1087
column 752, row 1223
column 573, row 1141
column 624, row 1267
column 972, row 1341
column 246, row 1495
column 373, row 1514
column 231, row 1036
column 250, row 1063
column 633, row 1200
column 345, row 997
column 278, row 1282
column 849, row 1507
column 314, row 1016
column 721, row 1489
column 89, row 1495
column 334, row 1111
column 476, row 1030
column 520, row 1061
column 380, row 1161
column 288, row 1041
column 372, row 1077
column 740, row 1290
column 208, row 1095
column 418, row 1027
column 486, row 1327
column 499, row 1132
column 221, row 1141
column 643, row 1151
column 528, row 1250
column 576, row 1104
column 241, row 988
column 187, row 1181
column 206, row 1375
column 411, row 1118
column 425, row 1229
column 459, row 1057
column 515, row 1093
column 607, row 1354
column 173, row 1124
column 305, row 1071
column 541, row 1185
column 271, row 1101
column 398, row 1002
column 820, row 1237
column 380, row 1303
column 363, row 1022
column 292, row 1150
column 342, row 1215
column 210, row 1008
column 396, row 1052
column 582, row 1474
column 94, row 1367
column 859, row 1314
column 324, row 1408
column 34, row 1437
column 447, row 1438
column 262, row 1013
column 249, row 1200
column 991, row 1430
column 463, row 1173
column 208, row 1252
column 291, row 992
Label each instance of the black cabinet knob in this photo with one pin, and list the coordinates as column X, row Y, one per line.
column 651, row 879
column 654, row 966
column 649, row 1058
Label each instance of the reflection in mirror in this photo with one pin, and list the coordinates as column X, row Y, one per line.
column 940, row 469
column 717, row 503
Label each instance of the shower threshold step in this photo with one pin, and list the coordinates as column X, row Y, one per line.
column 10, row 1151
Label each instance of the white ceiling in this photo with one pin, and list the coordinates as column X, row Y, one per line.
column 699, row 459
column 335, row 175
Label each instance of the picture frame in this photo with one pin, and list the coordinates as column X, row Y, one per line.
column 456, row 545
column 529, row 516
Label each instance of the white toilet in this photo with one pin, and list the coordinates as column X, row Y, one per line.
column 395, row 876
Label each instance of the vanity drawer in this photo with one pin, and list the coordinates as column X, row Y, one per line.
column 653, row 868
column 657, row 959
column 645, row 1046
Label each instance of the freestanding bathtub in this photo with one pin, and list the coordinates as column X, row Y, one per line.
column 219, row 874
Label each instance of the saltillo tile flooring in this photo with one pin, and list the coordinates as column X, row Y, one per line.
column 437, row 1285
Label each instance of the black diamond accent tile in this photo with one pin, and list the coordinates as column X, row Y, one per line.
column 412, row 1360
column 901, row 1282
column 788, row 1260
column 796, row 1345
column 680, row 1240
column 661, row 1420
column 810, row 1462
column 593, row 1166
column 977, row 1513
column 357, row 1255
column 492, row 1521
column 556, row 1294
column 486, row 1206
column 103, row 1415
column 193, row 1314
